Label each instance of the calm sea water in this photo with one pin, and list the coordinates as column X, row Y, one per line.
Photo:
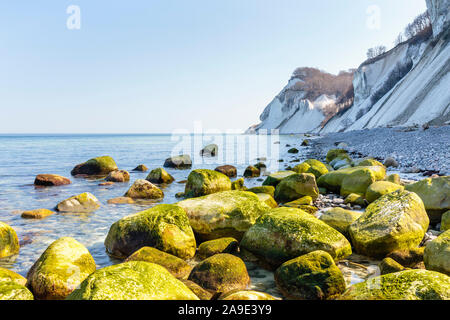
column 22, row 157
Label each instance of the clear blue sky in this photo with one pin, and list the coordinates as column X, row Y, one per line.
column 158, row 65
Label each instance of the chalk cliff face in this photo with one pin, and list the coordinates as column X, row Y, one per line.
column 408, row 85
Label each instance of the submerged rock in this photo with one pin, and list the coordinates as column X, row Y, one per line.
column 82, row 203
column 9, row 243
column 37, row 214
column 228, row 170
column 313, row 276
column 395, row 221
column 165, row 227
column 51, row 180
column 133, row 280
column 437, row 254
column 202, row 182
column 14, row 291
column 118, row 176
column 60, row 269
column 296, row 186
column 178, row 162
column 340, row 219
column 143, row 189
column 159, row 176
column 96, row 166
column 121, row 200
column 379, row 189
column 222, row 245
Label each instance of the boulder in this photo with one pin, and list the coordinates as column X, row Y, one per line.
column 389, row 265
column 306, row 200
column 394, row 178
column 316, row 167
column 9, row 243
column 293, row 151
column 133, row 280
column 411, row 258
column 143, row 189
column 13, row 291
column 37, row 214
column 263, row 189
column 82, row 203
column 301, row 168
column 267, row 199
column 275, row 178
column 334, row 153
column 341, row 161
column 380, row 188
column 296, row 186
column 141, row 168
column 445, row 221
column 390, row 162
column 246, row 295
column 165, row 227
column 178, row 162
column 435, row 194
column 159, row 176
column 403, row 285
column 437, row 254
column 228, row 170
column 313, row 276
column 118, row 176
column 369, row 163
column 286, row 233
column 7, row 275
column 304, row 207
column 355, row 199
column 201, row 293
column 396, row 221
column 176, row 266
column 238, row 185
column 223, row 214
column 221, row 273
column 96, row 166
column 340, row 219
column 60, row 269
column 222, row 245
column 48, row 180
column 202, row 182
column 252, row 172
column 210, row 150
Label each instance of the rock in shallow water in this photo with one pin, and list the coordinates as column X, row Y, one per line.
column 37, row 214
column 228, row 170
column 143, row 189
column 9, row 243
column 118, row 176
column 296, row 186
column 202, row 182
column 178, row 162
column 82, row 203
column 96, row 166
column 159, row 176
column 51, row 180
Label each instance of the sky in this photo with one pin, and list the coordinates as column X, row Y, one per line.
column 155, row 66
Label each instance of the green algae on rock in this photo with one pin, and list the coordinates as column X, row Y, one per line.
column 201, row 293
column 340, row 219
column 306, row 200
column 9, row 242
column 445, row 221
column 202, row 182
column 96, row 166
column 380, row 188
column 286, row 233
column 395, row 221
column 316, row 167
column 143, row 189
column 133, row 280
column 355, row 199
column 221, row 273
column 165, row 227
column 334, row 153
column 82, row 203
column 369, row 163
column 238, row 185
column 246, row 295
column 270, row 190
column 60, row 269
column 389, row 265
column 10, row 290
column 7, row 275
column 394, row 178
column 252, row 172
column 437, row 254
column 222, row 245
column 177, row 267
column 223, row 214
column 267, row 199
column 36, row 214
column 411, row 258
column 403, row 285
column 141, row 168
column 313, row 276
column 178, row 162
column 296, row 186
column 159, row 176
column 275, row 178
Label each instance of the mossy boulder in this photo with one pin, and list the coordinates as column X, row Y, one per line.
column 389, row 265
column 267, row 199
column 37, row 214
column 369, row 163
column 60, row 269
column 202, row 182
column 228, row 170
column 82, row 203
column 379, row 189
column 435, row 194
column 334, row 153
column 211, row 150
column 159, row 176
column 445, row 221
column 141, row 168
column 143, row 189
column 246, row 295
column 306, row 200
column 355, row 199
column 176, row 266
column 133, row 280
column 341, row 161
column 7, row 275
column 313, row 276
column 396, row 221
column 263, row 189
column 252, row 172
column 14, row 291
column 238, row 185
column 275, row 178
column 340, row 219
column 96, row 166
column 296, row 186
column 316, row 167
column 118, row 176
column 301, row 168
column 437, row 254
column 48, row 180
column 9, row 243
column 201, row 293
column 178, row 162
column 165, row 227
column 221, row 273
column 351, row 180
column 403, row 285
column 411, row 258
column 394, row 178
column 286, row 233
column 222, row 245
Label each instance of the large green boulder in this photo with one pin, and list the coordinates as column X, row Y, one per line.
column 379, row 189
column 96, row 166
column 341, row 161
column 313, row 276
column 7, row 275
column 14, row 291
column 176, row 266
column 445, row 221
column 165, row 227
column 202, row 182
column 221, row 273
column 351, row 180
column 396, row 221
column 334, row 153
column 212, row 247
column 275, row 178
column 133, row 280
column 9, row 243
column 223, row 214
column 286, row 233
column 437, row 254
column 178, row 162
column 159, row 176
column 403, row 285
column 296, row 186
column 60, row 269
column 143, row 189
column 301, row 168
column 82, row 203
column 316, row 167
column 389, row 265
column 340, row 219
column 435, row 194
column 369, row 163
